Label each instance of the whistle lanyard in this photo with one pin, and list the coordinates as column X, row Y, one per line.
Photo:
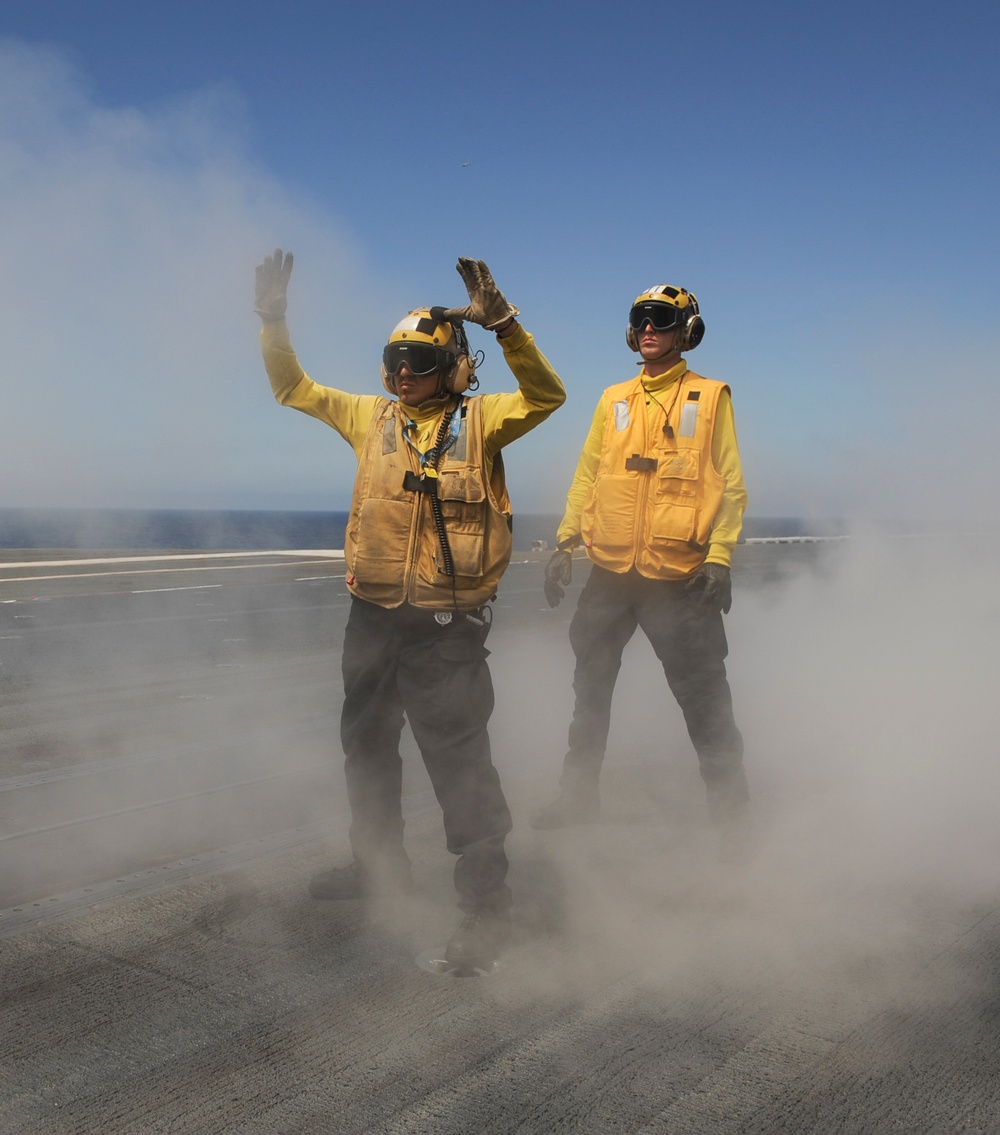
column 435, row 453
column 668, row 429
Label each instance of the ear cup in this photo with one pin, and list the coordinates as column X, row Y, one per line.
column 694, row 332
column 461, row 375
column 631, row 338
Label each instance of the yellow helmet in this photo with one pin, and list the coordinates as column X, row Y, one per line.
column 427, row 342
column 667, row 308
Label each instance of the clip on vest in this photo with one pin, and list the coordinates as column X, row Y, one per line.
column 414, row 484
column 637, row 464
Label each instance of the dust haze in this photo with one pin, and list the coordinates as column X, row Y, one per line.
column 134, row 374
column 130, row 344
column 864, row 693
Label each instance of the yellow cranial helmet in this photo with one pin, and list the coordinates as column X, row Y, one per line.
column 427, row 343
column 666, row 308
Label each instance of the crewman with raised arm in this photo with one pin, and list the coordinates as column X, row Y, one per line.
column 427, row 542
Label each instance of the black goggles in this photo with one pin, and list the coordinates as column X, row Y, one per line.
column 420, row 358
column 661, row 316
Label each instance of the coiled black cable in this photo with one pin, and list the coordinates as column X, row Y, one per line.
column 436, row 453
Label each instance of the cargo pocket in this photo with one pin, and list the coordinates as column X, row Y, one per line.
column 466, row 647
column 673, row 521
column 674, row 509
column 381, row 538
column 462, row 497
column 677, row 472
column 614, row 500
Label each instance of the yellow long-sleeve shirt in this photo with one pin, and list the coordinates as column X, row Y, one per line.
column 725, row 456
column 506, row 416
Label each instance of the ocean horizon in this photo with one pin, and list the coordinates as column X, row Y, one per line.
column 254, row 530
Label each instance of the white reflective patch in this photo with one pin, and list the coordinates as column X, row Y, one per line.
column 689, row 419
column 621, row 415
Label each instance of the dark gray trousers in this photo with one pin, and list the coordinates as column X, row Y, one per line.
column 691, row 645
column 402, row 661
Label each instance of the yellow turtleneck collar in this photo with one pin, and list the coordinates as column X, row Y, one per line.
column 662, row 381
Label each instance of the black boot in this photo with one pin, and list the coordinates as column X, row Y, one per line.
column 479, row 939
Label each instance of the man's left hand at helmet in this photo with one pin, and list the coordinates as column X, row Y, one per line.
column 487, row 306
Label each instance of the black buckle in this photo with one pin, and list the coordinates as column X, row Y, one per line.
column 638, row 464
column 414, row 484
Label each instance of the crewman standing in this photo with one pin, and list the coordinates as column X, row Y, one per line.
column 657, row 502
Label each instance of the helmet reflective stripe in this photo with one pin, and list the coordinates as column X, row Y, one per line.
column 418, row 326
column 665, row 293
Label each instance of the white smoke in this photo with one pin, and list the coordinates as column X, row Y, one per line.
column 133, row 373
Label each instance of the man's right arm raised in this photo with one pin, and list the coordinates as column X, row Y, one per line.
column 348, row 414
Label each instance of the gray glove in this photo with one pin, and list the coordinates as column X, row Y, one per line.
column 271, row 293
column 488, row 306
column 716, row 587
column 558, row 574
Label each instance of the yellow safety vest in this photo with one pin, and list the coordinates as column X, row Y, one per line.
column 654, row 498
column 392, row 546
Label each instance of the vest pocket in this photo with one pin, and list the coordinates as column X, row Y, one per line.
column 462, row 484
column 674, row 503
column 677, row 472
column 612, row 502
column 672, row 521
column 462, row 497
column 467, row 557
column 381, row 540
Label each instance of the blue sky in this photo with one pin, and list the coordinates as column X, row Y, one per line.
column 825, row 179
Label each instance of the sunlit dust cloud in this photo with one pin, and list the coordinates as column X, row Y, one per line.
column 865, row 693
column 133, row 372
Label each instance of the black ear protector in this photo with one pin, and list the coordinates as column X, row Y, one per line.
column 694, row 329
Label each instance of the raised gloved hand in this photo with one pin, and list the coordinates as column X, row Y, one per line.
column 270, row 299
column 558, row 574
column 487, row 304
column 716, row 587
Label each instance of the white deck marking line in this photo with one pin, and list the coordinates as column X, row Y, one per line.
column 190, row 587
column 143, row 571
column 324, row 553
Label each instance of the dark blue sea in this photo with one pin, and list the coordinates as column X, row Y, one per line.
column 196, row 530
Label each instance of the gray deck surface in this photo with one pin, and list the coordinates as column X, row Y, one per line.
column 845, row 979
